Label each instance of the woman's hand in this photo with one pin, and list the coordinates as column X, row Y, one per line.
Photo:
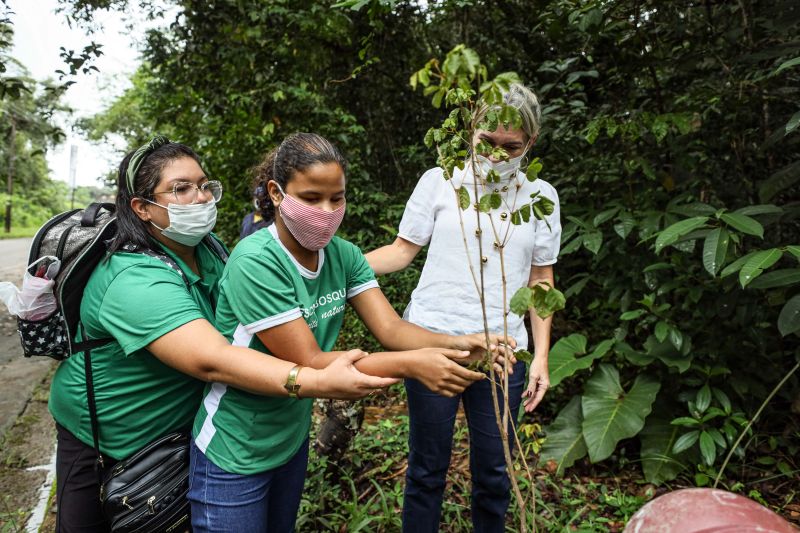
column 438, row 369
column 538, row 383
column 476, row 344
column 341, row 380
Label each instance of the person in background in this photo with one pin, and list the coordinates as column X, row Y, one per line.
column 445, row 300
column 253, row 221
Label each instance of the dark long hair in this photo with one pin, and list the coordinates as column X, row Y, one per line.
column 297, row 152
column 131, row 228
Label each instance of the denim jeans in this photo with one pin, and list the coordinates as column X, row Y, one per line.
column 431, row 421
column 258, row 503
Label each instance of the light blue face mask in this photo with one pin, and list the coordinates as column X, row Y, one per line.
column 188, row 223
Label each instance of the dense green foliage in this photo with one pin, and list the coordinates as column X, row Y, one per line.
column 669, row 132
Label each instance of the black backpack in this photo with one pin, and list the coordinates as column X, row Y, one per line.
column 79, row 239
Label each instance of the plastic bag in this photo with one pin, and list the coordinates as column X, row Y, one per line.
column 36, row 300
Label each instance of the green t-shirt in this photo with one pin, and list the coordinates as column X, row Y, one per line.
column 135, row 299
column 262, row 287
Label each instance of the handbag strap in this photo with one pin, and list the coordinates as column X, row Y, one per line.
column 87, row 366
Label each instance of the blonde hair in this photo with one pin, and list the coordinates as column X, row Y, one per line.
column 526, row 103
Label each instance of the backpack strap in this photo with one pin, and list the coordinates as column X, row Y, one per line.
column 216, row 246
column 164, row 258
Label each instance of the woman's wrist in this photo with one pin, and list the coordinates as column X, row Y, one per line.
column 310, row 383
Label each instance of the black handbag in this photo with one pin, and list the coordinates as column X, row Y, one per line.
column 145, row 493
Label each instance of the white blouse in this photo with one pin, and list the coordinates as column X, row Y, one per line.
column 446, row 299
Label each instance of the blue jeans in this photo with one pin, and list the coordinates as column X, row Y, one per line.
column 431, row 420
column 267, row 502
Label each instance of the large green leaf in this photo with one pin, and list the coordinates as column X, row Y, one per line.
column 658, row 461
column 610, row 414
column 676, row 231
column 564, row 444
column 714, row 250
column 759, row 262
column 563, row 361
column 743, row 223
column 789, row 319
column 777, row 278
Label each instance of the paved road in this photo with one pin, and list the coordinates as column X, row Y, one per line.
column 18, row 376
column 13, row 258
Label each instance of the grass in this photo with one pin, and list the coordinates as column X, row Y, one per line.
column 365, row 491
column 18, row 233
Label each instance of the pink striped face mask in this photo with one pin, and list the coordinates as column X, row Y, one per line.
column 311, row 226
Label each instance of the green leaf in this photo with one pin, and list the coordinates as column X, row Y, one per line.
column 563, row 361
column 757, row 263
column 610, row 414
column 532, row 173
column 625, row 225
column 526, row 357
column 715, row 248
column 658, row 462
column 677, row 230
column 521, row 301
column 676, row 338
column 463, row 198
column 776, row 278
column 736, row 265
column 485, row 203
column 604, row 215
column 743, row 223
column 722, row 398
column 546, row 301
column 779, row 181
column 685, row 421
column 703, row 398
column 793, row 123
column 592, row 241
column 794, row 250
column 632, row 315
column 564, row 444
column 787, row 64
column 602, row 348
column 763, row 209
column 686, row 441
column 707, row 448
column 661, row 331
column 789, row 319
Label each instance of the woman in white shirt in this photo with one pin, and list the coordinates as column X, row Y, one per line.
column 445, row 300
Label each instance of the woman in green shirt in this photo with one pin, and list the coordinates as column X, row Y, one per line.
column 283, row 292
column 149, row 380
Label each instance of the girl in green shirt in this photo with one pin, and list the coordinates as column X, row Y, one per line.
column 283, row 293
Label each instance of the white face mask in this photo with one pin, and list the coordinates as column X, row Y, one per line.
column 506, row 169
column 189, row 223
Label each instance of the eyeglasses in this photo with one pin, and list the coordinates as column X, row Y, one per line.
column 185, row 192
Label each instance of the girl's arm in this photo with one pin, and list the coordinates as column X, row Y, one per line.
column 293, row 341
column 199, row 350
column 393, row 257
column 539, row 375
column 395, row 333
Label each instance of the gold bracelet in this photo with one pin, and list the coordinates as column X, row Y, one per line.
column 291, row 385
